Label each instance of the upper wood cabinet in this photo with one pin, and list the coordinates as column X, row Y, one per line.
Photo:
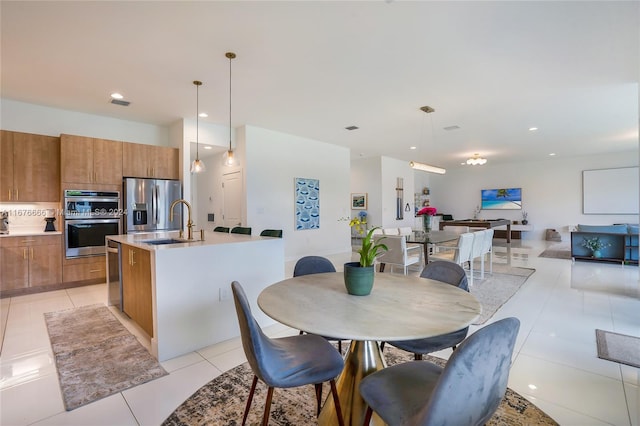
column 90, row 160
column 150, row 161
column 29, row 167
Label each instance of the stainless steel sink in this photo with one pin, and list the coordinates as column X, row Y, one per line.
column 164, row 241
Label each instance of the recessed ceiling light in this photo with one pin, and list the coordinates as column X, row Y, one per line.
column 203, row 115
column 532, row 387
column 552, row 154
column 207, row 147
column 412, row 147
column 117, row 96
column 533, row 129
column 352, row 127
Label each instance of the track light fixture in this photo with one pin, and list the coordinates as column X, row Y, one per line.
column 426, row 167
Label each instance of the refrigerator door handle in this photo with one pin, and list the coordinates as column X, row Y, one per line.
column 154, row 204
column 157, row 204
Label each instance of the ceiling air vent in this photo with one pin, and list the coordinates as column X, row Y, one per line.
column 120, row 102
column 352, row 128
column 454, row 127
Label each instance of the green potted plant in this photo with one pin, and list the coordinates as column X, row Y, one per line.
column 358, row 276
column 595, row 245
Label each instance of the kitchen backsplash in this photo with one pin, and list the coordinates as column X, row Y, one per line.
column 31, row 215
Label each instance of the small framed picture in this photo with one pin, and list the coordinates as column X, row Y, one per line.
column 359, row 201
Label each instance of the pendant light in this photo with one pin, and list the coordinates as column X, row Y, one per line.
column 229, row 160
column 197, row 166
column 427, row 167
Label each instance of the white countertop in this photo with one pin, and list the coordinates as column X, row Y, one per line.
column 28, row 231
column 210, row 238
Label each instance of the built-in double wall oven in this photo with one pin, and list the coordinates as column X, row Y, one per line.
column 89, row 216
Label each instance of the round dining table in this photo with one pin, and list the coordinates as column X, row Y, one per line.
column 399, row 307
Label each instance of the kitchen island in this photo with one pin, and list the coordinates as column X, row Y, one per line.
column 179, row 291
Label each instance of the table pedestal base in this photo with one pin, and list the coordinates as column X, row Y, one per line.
column 362, row 359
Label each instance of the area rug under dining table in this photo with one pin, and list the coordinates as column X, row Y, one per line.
column 222, row 401
column 497, row 288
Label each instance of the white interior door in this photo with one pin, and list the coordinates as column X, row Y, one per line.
column 232, row 199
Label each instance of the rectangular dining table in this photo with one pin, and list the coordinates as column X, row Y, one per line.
column 478, row 223
column 399, row 308
column 431, row 238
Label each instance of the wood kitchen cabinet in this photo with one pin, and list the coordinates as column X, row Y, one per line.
column 150, row 161
column 85, row 270
column 33, row 261
column 29, row 167
column 90, row 160
column 136, row 286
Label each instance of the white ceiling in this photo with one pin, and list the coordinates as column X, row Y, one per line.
column 494, row 69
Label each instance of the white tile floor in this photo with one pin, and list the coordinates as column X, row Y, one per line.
column 555, row 364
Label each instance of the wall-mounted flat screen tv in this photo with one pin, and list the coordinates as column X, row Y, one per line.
column 502, row 199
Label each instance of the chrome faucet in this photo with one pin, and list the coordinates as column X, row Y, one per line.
column 189, row 221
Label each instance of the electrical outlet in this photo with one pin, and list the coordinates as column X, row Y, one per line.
column 225, row 293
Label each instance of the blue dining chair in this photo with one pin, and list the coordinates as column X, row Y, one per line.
column 467, row 391
column 285, row 362
column 315, row 265
column 450, row 273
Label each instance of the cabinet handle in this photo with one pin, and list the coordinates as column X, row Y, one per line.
column 10, row 192
column 93, row 271
column 24, row 253
column 27, row 241
column 133, row 259
column 31, row 252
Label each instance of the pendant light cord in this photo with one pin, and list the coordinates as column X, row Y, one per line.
column 230, row 58
column 197, row 121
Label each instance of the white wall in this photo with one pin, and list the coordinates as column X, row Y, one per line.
column 366, row 177
column 377, row 176
column 42, row 120
column 273, row 160
column 393, row 169
column 551, row 191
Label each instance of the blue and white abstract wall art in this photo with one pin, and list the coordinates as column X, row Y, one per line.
column 307, row 203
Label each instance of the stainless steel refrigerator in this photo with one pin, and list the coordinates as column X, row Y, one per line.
column 147, row 203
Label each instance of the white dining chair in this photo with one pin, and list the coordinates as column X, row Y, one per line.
column 487, row 249
column 459, row 254
column 412, row 248
column 397, row 254
column 476, row 251
column 390, row 231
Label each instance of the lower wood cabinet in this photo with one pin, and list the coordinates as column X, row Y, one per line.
column 136, row 286
column 88, row 270
column 33, row 261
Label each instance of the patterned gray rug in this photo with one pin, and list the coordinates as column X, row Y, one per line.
column 496, row 289
column 618, row 347
column 222, row 402
column 95, row 355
